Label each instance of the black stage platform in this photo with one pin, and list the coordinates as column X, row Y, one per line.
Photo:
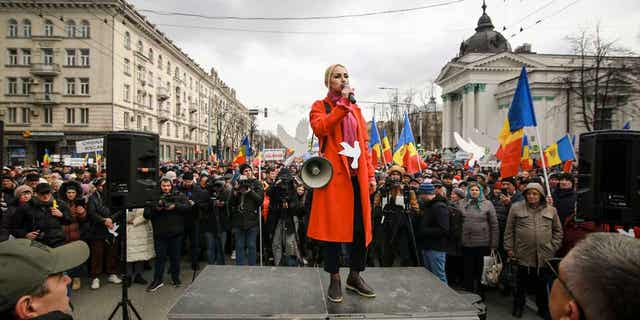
column 233, row 292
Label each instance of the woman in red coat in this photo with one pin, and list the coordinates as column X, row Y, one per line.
column 341, row 211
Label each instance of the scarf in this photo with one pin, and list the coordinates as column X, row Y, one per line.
column 349, row 123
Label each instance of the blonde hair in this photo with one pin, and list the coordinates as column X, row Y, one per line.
column 329, row 71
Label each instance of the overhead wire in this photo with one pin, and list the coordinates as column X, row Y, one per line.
column 546, row 18
column 329, row 17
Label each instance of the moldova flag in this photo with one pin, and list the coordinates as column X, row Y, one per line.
column 375, row 144
column 627, row 125
column 521, row 114
column 244, row 153
column 386, row 147
column 406, row 151
column 46, row 160
column 526, row 162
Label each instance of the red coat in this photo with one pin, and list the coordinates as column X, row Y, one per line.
column 332, row 207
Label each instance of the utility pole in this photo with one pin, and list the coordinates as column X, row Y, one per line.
column 394, row 114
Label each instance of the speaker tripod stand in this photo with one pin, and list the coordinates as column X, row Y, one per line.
column 124, row 303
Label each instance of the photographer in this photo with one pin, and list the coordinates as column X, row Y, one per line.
column 214, row 216
column 168, row 227
column 398, row 204
column 42, row 218
column 246, row 199
column 191, row 217
column 283, row 221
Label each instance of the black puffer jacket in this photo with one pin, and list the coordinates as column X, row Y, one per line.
column 36, row 215
column 433, row 231
column 244, row 214
column 168, row 223
column 564, row 200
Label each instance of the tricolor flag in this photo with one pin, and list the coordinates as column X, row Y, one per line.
column 46, row 160
column 559, row 152
column 257, row 160
column 521, row 114
column 386, row 147
column 627, row 125
column 375, row 144
column 244, row 153
column 526, row 162
column 406, row 152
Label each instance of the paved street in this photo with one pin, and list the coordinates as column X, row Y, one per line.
column 98, row 304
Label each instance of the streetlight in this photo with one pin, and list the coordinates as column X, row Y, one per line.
column 395, row 112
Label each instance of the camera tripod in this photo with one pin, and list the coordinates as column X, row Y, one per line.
column 124, row 303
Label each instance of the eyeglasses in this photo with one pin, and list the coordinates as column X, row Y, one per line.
column 554, row 267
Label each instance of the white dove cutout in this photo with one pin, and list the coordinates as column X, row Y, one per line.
column 297, row 143
column 477, row 152
column 352, row 152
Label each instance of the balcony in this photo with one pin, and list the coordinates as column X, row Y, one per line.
column 45, row 70
column 162, row 93
column 164, row 115
column 46, row 98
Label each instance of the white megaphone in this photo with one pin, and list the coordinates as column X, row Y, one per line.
column 316, row 172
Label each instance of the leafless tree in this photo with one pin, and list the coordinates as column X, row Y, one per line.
column 600, row 83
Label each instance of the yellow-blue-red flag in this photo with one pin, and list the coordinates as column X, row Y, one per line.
column 244, row 152
column 405, row 149
column 375, row 144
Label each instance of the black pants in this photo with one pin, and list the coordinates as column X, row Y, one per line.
column 536, row 280
column 358, row 249
column 473, row 258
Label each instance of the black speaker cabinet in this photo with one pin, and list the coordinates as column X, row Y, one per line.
column 132, row 169
column 609, row 177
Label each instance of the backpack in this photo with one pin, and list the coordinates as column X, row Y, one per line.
column 456, row 219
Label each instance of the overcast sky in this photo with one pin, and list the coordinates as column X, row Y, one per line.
column 284, row 71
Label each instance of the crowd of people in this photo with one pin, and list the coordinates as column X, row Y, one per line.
column 446, row 218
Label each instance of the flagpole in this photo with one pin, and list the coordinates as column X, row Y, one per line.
column 544, row 165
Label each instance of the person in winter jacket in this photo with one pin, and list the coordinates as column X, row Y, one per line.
column 532, row 236
column 283, row 221
column 479, row 235
column 42, row 218
column 564, row 196
column 20, row 198
column 191, row 219
column 433, row 231
column 139, row 244
column 246, row 199
column 70, row 194
column 167, row 218
column 214, row 217
column 8, row 193
column 104, row 249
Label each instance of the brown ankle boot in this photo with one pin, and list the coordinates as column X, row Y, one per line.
column 356, row 284
column 335, row 290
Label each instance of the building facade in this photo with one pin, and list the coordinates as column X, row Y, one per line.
column 479, row 84
column 75, row 70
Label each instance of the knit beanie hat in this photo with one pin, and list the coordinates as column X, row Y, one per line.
column 426, row 188
column 22, row 189
column 459, row 192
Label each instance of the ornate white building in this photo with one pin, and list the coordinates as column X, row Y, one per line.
column 75, row 70
column 478, row 86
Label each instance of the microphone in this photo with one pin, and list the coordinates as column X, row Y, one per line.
column 352, row 98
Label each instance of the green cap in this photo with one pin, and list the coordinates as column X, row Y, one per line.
column 25, row 265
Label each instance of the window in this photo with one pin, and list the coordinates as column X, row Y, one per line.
column 71, row 115
column 70, row 57
column 150, row 124
column 127, row 67
column 175, row 127
column 150, row 55
column 127, row 92
column 84, row 115
column 84, row 29
column 176, row 73
column 48, row 115
column 12, row 86
column 13, row 28
column 126, row 120
column 13, row 56
column 26, row 57
column 26, row 85
column 84, row 86
column 26, row 115
column 71, row 86
column 139, row 46
column 160, row 62
column 13, row 115
column 48, row 28
column 141, row 73
column 150, row 79
column 139, row 122
column 70, row 28
column 127, row 40
column 47, row 56
column 26, row 28
column 169, row 67
column 48, row 86
column 168, row 130
column 84, row 57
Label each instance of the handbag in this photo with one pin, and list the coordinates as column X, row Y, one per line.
column 492, row 269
